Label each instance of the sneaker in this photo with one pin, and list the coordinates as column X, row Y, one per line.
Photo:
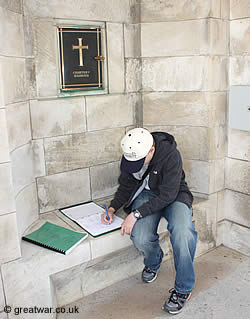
column 148, row 275
column 176, row 302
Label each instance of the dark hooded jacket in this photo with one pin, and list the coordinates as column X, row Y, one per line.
column 166, row 179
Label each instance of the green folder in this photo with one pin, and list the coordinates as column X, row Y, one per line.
column 55, row 237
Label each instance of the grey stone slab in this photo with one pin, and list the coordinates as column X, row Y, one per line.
column 7, row 202
column 82, row 150
column 237, row 175
column 218, row 142
column 31, row 78
column 238, row 144
column 57, row 117
column 104, row 179
column 65, row 189
column 115, row 51
column 239, row 9
column 133, row 75
column 239, row 36
column 18, row 134
column 11, row 33
column 26, row 208
column 160, row 11
column 115, row 10
column 22, row 167
column 4, row 143
column 13, row 5
column 239, row 66
column 217, row 104
column 132, row 40
column 217, row 175
column 9, row 241
column 38, row 158
column 110, row 111
column 178, row 108
column 14, row 84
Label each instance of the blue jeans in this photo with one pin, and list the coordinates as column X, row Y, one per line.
column 183, row 237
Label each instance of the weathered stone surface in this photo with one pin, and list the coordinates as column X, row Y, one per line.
column 239, row 9
column 217, row 175
column 115, row 10
column 65, row 189
column 66, row 116
column 132, row 40
column 218, row 37
column 2, row 299
column 18, row 119
column 240, row 36
column 237, row 237
column 11, row 33
column 216, row 73
column 9, row 242
column 218, row 142
column 237, row 175
column 31, row 78
column 239, row 66
column 158, row 10
column 185, row 137
column 82, row 150
column 217, row 105
column 46, row 58
column 38, row 158
column 221, row 207
column 178, row 108
column 14, row 86
column 197, row 174
column 7, row 202
column 4, row 143
column 104, row 179
column 133, row 75
column 26, row 208
column 115, row 57
column 225, row 9
column 110, row 111
column 239, row 144
column 13, row 5
column 22, row 167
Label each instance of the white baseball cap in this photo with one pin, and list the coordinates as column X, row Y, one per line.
column 135, row 146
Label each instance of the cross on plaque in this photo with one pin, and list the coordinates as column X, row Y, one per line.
column 80, row 47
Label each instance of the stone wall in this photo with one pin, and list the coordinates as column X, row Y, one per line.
column 236, row 198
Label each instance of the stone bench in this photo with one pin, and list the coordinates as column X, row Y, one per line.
column 44, row 278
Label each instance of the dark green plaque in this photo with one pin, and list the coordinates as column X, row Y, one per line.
column 81, row 62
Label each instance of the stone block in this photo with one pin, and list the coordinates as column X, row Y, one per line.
column 26, row 208
column 159, row 39
column 38, row 158
column 66, row 116
column 12, row 5
column 110, row 111
column 46, row 58
column 11, row 33
column 158, row 10
column 7, row 202
column 132, row 40
column 18, row 134
column 239, row 66
column 237, row 237
column 9, row 242
column 133, row 75
column 240, row 36
column 216, row 73
column 225, row 9
column 218, row 142
column 188, row 144
column 14, row 86
column 65, row 189
column 104, row 179
column 238, row 144
column 4, row 143
column 217, row 105
column 118, row 10
column 115, row 57
column 175, row 108
column 218, row 37
column 82, row 150
column 31, row 78
column 217, row 175
column 22, row 167
column 2, row 298
column 239, row 9
column 237, row 207
column 197, row 175
column 237, row 175
column 221, row 213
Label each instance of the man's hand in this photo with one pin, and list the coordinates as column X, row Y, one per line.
column 104, row 219
column 128, row 224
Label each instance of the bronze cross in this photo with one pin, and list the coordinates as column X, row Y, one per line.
column 80, row 47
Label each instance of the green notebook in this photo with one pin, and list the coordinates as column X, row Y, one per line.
column 55, row 237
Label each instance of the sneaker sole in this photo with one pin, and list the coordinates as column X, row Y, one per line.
column 149, row 281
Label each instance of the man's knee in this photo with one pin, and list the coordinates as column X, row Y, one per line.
column 143, row 240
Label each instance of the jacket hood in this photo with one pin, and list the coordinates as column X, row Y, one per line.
column 164, row 145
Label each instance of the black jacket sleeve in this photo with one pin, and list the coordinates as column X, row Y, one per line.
column 169, row 187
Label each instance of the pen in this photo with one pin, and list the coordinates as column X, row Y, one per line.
column 106, row 212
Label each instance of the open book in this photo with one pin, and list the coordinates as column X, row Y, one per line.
column 88, row 216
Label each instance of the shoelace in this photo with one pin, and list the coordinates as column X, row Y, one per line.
column 149, row 270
